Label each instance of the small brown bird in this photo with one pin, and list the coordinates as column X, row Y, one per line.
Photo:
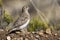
column 22, row 21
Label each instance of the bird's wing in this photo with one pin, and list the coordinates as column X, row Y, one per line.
column 22, row 20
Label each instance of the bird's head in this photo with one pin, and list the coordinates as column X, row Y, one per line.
column 25, row 8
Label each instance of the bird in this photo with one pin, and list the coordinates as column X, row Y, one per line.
column 22, row 21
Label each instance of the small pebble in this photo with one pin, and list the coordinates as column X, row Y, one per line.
column 21, row 38
column 59, row 38
column 48, row 31
column 14, row 39
column 26, row 39
column 8, row 38
column 1, row 30
column 55, row 34
column 37, row 36
column 17, row 32
column 41, row 32
column 46, row 36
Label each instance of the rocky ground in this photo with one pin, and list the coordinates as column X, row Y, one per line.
column 38, row 35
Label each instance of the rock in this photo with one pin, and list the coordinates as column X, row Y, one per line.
column 48, row 31
column 21, row 38
column 14, row 39
column 33, row 32
column 1, row 30
column 56, row 34
column 2, row 34
column 59, row 38
column 46, row 36
column 41, row 33
column 37, row 36
column 8, row 38
column 17, row 32
column 26, row 39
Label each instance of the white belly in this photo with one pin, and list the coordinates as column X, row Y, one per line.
column 24, row 25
